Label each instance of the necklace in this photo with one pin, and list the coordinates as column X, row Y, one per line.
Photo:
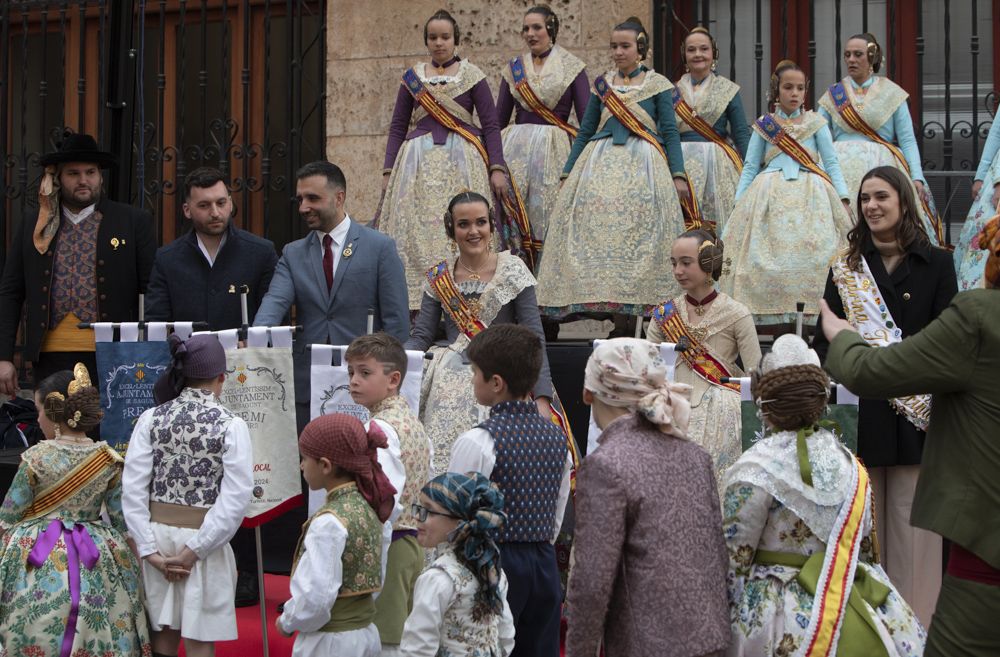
column 699, row 306
column 539, row 59
column 441, row 68
column 473, row 273
column 628, row 77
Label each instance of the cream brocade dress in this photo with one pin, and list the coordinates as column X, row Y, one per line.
column 728, row 331
column 535, row 153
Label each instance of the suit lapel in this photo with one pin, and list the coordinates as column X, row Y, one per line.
column 354, row 244
column 314, row 252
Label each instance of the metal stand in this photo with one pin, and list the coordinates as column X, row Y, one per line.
column 260, row 589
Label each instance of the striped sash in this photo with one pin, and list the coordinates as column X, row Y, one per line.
column 851, row 116
column 701, row 126
column 84, row 473
column 697, row 356
column 514, row 207
column 531, row 99
column 775, row 135
column 618, row 109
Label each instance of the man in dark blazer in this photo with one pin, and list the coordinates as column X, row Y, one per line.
column 199, row 276
column 80, row 257
column 333, row 276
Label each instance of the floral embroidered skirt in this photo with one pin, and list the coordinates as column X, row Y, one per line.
column 714, row 178
column 607, row 247
column 716, row 424
column 970, row 260
column 780, row 239
column 424, row 179
column 535, row 156
column 858, row 158
column 35, row 602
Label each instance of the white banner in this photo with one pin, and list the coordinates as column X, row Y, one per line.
column 260, row 389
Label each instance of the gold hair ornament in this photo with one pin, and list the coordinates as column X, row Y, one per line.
column 81, row 379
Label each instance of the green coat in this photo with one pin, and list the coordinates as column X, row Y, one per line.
column 956, row 358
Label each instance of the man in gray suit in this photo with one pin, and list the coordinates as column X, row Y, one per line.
column 334, row 275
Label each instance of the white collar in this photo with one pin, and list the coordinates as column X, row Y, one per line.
column 339, row 233
column 77, row 217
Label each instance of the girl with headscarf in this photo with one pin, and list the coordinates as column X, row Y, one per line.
column 650, row 568
column 339, row 561
column 804, row 576
column 460, row 601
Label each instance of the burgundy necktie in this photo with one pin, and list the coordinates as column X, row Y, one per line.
column 328, row 261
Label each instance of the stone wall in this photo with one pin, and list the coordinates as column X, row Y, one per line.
column 371, row 42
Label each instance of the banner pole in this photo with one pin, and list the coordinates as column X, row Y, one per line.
column 260, row 589
column 142, row 316
column 799, row 312
column 245, row 326
column 371, row 321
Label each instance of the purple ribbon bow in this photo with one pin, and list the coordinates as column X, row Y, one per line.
column 80, row 547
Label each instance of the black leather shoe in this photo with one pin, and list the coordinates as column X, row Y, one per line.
column 247, row 589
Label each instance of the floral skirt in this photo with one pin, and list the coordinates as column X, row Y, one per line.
column 714, row 178
column 970, row 260
column 716, row 424
column 424, row 179
column 858, row 158
column 780, row 239
column 35, row 602
column 607, row 247
column 535, row 156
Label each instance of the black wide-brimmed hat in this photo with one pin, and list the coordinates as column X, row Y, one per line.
column 78, row 148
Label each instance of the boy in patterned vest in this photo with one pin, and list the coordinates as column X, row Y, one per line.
column 338, row 561
column 186, row 485
column 525, row 455
column 377, row 365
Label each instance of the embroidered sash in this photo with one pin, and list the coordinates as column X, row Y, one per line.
column 84, row 473
column 867, row 312
column 852, row 117
column 697, row 356
column 444, row 287
column 836, row 578
column 531, row 99
column 514, row 207
column 775, row 135
column 620, row 110
column 687, row 114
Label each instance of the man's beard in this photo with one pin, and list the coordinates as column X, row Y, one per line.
column 70, row 201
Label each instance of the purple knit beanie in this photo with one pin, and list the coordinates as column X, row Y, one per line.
column 197, row 358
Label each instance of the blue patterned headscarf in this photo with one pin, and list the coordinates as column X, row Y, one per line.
column 479, row 504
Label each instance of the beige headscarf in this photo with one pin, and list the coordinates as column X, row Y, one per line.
column 629, row 373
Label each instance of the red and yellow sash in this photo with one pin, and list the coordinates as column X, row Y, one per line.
column 700, row 125
column 465, row 319
column 775, row 135
column 618, row 109
column 839, row 564
column 697, row 356
column 76, row 479
column 514, row 207
column 857, row 123
column 532, row 100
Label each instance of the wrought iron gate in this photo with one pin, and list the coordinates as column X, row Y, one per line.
column 168, row 86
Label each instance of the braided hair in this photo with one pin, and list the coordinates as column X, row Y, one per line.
column 550, row 18
column 467, row 196
column 80, row 410
column 710, row 251
column 874, row 50
column 783, row 66
column 791, row 397
column 633, row 24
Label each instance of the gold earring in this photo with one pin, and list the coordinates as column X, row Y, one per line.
column 714, row 64
column 452, row 246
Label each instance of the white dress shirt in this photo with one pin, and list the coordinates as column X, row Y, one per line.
column 77, row 217
column 391, row 460
column 204, row 250
column 339, row 236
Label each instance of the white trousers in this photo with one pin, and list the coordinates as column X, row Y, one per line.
column 911, row 556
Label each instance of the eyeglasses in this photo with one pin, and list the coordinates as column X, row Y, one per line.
column 421, row 512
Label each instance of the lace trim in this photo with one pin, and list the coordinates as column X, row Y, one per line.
column 468, row 76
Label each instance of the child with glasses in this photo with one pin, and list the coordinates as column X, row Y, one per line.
column 376, row 364
column 460, row 601
column 338, row 561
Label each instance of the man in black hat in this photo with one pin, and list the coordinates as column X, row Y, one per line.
column 81, row 258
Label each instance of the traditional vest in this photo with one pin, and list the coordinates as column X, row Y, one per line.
column 530, row 457
column 74, row 271
column 187, row 436
column 464, row 632
column 415, row 451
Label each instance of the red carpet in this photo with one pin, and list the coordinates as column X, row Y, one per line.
column 251, row 641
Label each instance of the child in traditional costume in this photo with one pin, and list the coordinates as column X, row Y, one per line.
column 187, row 483
column 718, row 330
column 525, row 454
column 460, row 604
column 649, row 577
column 69, row 584
column 377, row 364
column 804, row 576
column 338, row 561
column 792, row 214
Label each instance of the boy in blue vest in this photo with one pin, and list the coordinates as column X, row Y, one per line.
column 525, row 455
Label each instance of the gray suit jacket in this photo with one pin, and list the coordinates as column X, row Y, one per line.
column 371, row 277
